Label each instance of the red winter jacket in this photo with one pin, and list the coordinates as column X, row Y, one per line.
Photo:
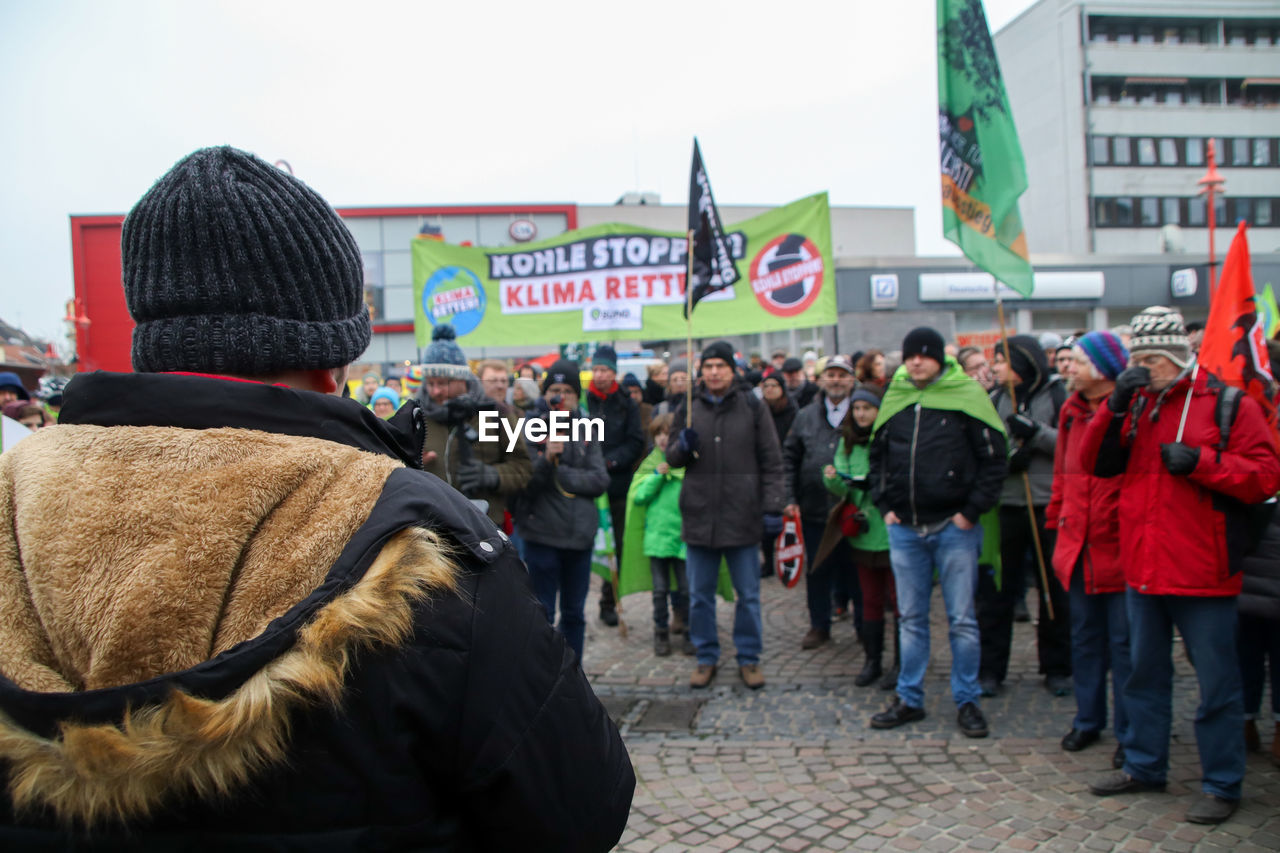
column 1084, row 508
column 1175, row 533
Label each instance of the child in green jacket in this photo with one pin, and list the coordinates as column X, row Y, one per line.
column 656, row 487
column 847, row 478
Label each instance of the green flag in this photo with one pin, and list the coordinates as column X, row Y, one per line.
column 983, row 172
column 1266, row 302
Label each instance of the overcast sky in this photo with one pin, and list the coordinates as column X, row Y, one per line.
column 388, row 103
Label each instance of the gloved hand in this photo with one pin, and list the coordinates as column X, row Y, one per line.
column 477, row 477
column 772, row 523
column 687, row 441
column 1020, row 460
column 1021, row 426
column 1127, row 384
column 1179, row 458
column 459, row 410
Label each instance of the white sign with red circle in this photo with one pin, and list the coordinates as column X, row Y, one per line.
column 787, row 275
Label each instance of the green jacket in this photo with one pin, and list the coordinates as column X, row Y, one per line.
column 855, row 463
column 659, row 494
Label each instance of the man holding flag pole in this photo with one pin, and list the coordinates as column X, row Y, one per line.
column 1195, row 450
column 733, row 480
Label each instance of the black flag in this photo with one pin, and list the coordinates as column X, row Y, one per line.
column 712, row 266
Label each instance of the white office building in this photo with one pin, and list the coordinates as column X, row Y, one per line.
column 1115, row 103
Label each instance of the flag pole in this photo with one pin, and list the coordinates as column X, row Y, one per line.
column 1026, row 478
column 688, row 318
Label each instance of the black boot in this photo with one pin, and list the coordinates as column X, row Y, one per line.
column 890, row 680
column 661, row 642
column 873, row 642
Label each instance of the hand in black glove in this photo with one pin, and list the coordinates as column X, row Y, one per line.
column 1127, row 384
column 1021, row 426
column 459, row 410
column 477, row 477
column 687, row 441
column 1020, row 460
column 772, row 523
column 1179, row 458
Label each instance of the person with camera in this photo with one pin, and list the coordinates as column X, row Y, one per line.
column 863, row 528
column 733, row 487
column 452, row 400
column 556, row 513
column 807, row 449
column 1189, row 467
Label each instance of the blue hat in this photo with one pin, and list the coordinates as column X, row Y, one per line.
column 11, row 380
column 866, row 396
column 444, row 357
column 385, row 394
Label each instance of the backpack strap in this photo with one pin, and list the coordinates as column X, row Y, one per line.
column 1224, row 415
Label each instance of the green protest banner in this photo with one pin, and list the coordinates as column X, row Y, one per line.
column 983, row 172
column 623, row 281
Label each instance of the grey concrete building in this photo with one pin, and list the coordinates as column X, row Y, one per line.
column 1115, row 102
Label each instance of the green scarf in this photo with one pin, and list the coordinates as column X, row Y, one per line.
column 953, row 390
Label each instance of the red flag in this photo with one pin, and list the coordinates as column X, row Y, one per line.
column 1234, row 347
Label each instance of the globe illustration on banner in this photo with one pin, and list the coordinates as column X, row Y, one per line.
column 455, row 296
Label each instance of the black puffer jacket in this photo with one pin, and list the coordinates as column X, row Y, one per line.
column 808, row 448
column 929, row 464
column 1260, row 595
column 737, row 475
column 315, row 646
column 783, row 417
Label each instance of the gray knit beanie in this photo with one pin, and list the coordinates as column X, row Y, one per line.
column 233, row 266
column 443, row 357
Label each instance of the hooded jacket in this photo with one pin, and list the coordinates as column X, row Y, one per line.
column 1040, row 395
column 244, row 622
column 1084, row 509
column 1182, row 535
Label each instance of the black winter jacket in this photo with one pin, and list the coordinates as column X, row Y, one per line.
column 806, row 450
column 784, row 417
column 315, row 646
column 1260, row 595
column 929, row 464
column 737, row 475
column 623, row 443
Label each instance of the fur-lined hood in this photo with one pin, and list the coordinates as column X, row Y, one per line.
column 172, row 595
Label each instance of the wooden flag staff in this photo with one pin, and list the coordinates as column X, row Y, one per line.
column 1026, row 478
column 688, row 319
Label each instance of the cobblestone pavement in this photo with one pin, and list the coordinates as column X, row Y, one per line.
column 795, row 767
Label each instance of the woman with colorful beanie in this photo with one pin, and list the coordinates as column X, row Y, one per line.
column 1084, row 510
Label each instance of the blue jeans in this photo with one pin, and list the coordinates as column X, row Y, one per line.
column 565, row 571
column 1099, row 641
column 954, row 552
column 703, row 565
column 1208, row 628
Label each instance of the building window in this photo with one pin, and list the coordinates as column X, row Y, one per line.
column 1146, row 151
column 1121, row 155
column 1168, row 152
column 1196, row 211
column 1172, row 210
column 1172, row 35
column 1242, row 209
column 1103, row 212
column 1100, row 150
column 1220, row 212
column 1149, row 211
column 1236, row 36
column 1262, row 212
column 1194, row 149
column 1240, row 154
column 1262, row 152
column 1124, row 212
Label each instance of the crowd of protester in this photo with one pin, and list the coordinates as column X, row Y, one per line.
column 1127, row 484
column 988, row 474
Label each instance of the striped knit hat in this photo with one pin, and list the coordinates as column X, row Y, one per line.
column 1105, row 351
column 1160, row 330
